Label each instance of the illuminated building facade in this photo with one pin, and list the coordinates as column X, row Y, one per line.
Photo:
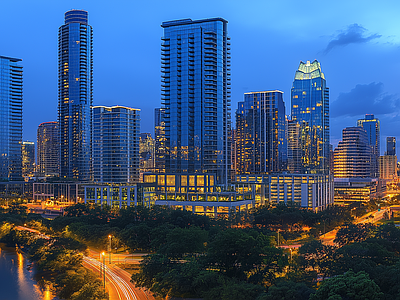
column 159, row 139
column 10, row 118
column 75, row 95
column 313, row 191
column 28, row 159
column 146, row 154
column 390, row 145
column 352, row 156
column 350, row 190
column 310, row 109
column 261, row 133
column 372, row 127
column 116, row 134
column 388, row 167
column 196, row 96
column 197, row 193
column 48, row 149
column 294, row 147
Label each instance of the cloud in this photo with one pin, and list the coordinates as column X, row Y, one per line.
column 364, row 99
column 354, row 34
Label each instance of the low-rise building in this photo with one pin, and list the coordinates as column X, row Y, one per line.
column 313, row 191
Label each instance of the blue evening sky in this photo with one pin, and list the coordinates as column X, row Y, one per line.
column 356, row 42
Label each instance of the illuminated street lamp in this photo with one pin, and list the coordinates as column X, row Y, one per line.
column 104, row 269
column 109, row 248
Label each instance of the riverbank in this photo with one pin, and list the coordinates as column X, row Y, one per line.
column 17, row 277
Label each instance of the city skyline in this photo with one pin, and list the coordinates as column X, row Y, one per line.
column 357, row 56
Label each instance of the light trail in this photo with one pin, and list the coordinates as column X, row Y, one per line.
column 121, row 286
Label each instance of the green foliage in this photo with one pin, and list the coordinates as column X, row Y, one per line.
column 317, row 258
column 233, row 290
column 351, row 233
column 80, row 284
column 287, row 290
column 350, row 286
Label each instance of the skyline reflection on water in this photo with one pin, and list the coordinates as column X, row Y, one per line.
column 16, row 281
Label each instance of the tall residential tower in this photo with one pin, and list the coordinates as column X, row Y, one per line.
column 196, row 96
column 75, row 95
column 310, row 109
column 261, row 133
column 116, row 134
column 10, row 118
column 48, row 150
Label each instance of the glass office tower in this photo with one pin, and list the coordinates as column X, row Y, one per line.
column 352, row 156
column 196, row 96
column 261, row 133
column 75, row 95
column 159, row 139
column 373, row 129
column 10, row 118
column 310, row 109
column 28, row 158
column 390, row 145
column 48, row 149
column 116, row 134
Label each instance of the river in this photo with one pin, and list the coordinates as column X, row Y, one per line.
column 16, row 280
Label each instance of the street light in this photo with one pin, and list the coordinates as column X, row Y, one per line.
column 104, row 270
column 109, row 248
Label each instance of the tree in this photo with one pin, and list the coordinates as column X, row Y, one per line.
column 317, row 257
column 353, row 233
column 287, row 290
column 181, row 241
column 350, row 286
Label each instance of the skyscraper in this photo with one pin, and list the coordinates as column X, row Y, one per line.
column 196, row 96
column 390, row 145
column 10, row 118
column 28, row 158
column 310, row 109
column 116, row 133
column 159, row 139
column 48, row 149
column 352, row 155
column 372, row 127
column 261, row 133
column 294, row 147
column 75, row 95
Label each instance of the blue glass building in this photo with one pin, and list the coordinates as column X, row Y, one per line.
column 373, row 128
column 261, row 133
column 10, row 118
column 116, row 134
column 310, row 109
column 75, row 95
column 196, row 96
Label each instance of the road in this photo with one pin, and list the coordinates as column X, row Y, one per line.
column 117, row 281
column 371, row 217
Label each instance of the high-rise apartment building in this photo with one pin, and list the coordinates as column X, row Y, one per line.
column 310, row 109
column 146, row 154
column 75, row 95
column 48, row 149
column 159, row 140
column 294, row 147
column 372, row 127
column 352, row 155
column 28, row 159
column 261, row 133
column 196, row 96
column 390, row 145
column 10, row 118
column 116, row 134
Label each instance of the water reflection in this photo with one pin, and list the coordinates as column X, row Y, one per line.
column 16, row 281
